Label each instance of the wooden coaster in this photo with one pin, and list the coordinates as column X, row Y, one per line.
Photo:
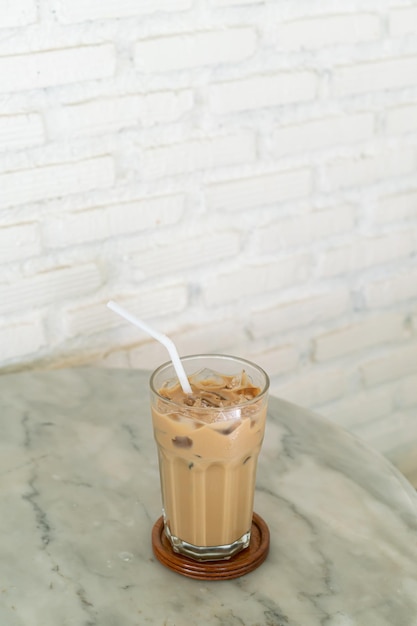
column 242, row 563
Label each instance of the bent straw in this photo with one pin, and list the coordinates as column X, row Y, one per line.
column 166, row 341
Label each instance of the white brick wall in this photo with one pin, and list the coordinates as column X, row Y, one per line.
column 293, row 314
column 229, row 3
column 396, row 288
column 324, row 133
column 397, row 363
column 105, row 222
column 402, row 119
column 402, row 21
column 17, row 13
column 182, row 51
column 22, row 338
column 366, row 170
column 70, row 11
column 374, row 403
column 329, row 30
column 198, row 154
column 407, row 392
column 212, row 337
column 56, row 67
column 167, row 299
column 196, row 250
column 240, row 173
column 48, row 286
column 19, row 241
column 278, row 360
column 375, row 76
column 367, row 252
column 313, row 387
column 253, row 192
column 397, row 207
column 21, row 131
column 257, row 92
column 248, row 281
column 31, row 185
column 109, row 115
column 374, row 331
column 305, row 229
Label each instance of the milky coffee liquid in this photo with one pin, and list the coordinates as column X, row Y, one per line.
column 208, row 445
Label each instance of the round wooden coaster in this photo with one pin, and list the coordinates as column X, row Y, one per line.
column 242, row 563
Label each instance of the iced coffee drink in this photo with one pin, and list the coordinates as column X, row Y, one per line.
column 208, row 445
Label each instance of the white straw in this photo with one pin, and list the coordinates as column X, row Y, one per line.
column 166, row 341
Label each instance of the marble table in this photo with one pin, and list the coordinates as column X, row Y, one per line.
column 79, row 493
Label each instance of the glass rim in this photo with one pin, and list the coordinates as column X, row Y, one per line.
column 226, row 357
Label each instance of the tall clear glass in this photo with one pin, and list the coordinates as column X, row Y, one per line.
column 208, row 454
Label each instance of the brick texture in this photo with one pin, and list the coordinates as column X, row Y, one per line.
column 375, row 76
column 22, row 338
column 300, row 313
column 43, row 69
column 259, row 92
column 70, row 11
column 194, row 50
column 19, row 241
column 210, row 338
column 252, row 192
column 73, row 228
column 397, row 363
column 110, row 115
column 230, row 3
column 386, row 292
column 46, row 287
column 313, row 388
column 199, row 154
column 407, row 391
column 21, row 131
column 322, row 134
column 402, row 119
column 305, row 229
column 30, row 185
column 199, row 249
column 368, row 252
column 257, row 279
column 329, row 30
column 397, row 207
column 402, row 21
column 367, row 170
column 96, row 317
column 349, row 412
column 359, row 336
column 240, row 173
column 15, row 13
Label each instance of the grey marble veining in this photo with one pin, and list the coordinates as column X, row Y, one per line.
column 79, row 493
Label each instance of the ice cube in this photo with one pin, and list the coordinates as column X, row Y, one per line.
column 182, row 442
column 207, row 379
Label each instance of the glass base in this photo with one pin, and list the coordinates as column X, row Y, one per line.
column 207, row 553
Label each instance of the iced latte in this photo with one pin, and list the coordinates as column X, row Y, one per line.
column 208, row 445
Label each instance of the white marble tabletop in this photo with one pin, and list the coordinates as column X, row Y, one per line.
column 79, row 493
